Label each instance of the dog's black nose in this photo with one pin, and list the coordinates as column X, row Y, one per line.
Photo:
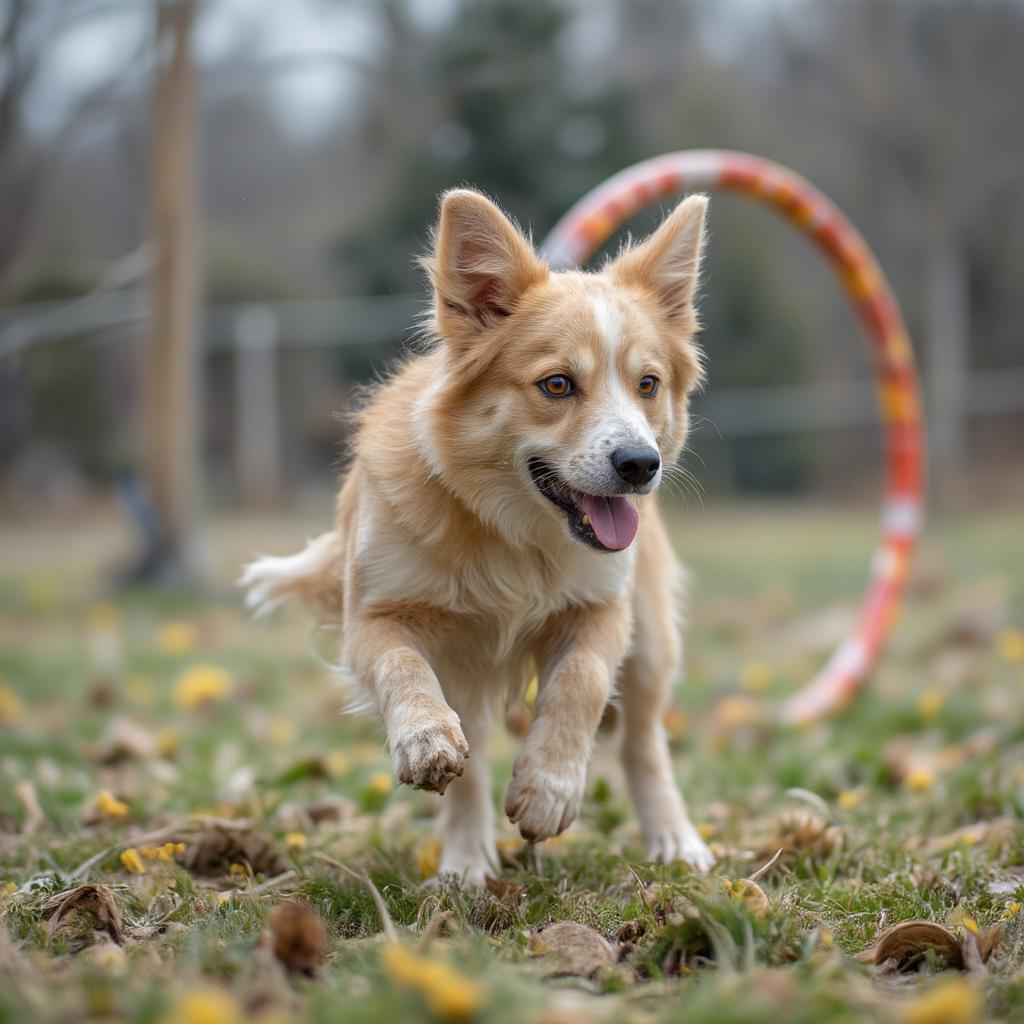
column 636, row 464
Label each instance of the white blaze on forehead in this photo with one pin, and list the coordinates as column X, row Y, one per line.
column 609, row 321
column 621, row 419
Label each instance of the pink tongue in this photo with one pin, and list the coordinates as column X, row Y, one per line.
column 614, row 520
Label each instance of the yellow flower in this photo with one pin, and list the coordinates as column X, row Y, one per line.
column 12, row 710
column 205, row 1006
column 707, row 831
column 960, row 917
column 133, row 862
column 755, row 676
column 930, row 704
column 920, row 779
column 102, row 618
column 380, row 783
column 165, row 854
column 850, row 798
column 109, row 806
column 949, row 1002
column 201, row 684
column 1010, row 910
column 338, row 763
column 168, row 741
column 177, row 638
column 1010, row 644
column 42, row 594
column 428, row 856
column 282, row 731
column 8, row 888
column 296, row 840
column 450, row 995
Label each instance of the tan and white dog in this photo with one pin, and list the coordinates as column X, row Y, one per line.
column 498, row 519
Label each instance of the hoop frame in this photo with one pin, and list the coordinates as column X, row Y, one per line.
column 593, row 220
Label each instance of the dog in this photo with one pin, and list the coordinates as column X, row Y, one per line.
column 499, row 519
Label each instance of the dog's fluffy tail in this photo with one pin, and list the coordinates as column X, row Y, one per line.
column 313, row 575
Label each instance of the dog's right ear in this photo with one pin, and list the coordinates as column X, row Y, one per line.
column 480, row 267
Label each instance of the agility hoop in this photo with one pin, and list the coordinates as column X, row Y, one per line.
column 596, row 217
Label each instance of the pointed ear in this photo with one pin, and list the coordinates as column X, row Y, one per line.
column 480, row 268
column 668, row 262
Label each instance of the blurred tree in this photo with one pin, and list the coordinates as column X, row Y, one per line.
column 486, row 98
column 30, row 31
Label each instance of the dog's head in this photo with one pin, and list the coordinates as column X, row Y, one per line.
column 566, row 391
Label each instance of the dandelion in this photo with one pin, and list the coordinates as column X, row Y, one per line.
column 755, row 676
column 449, row 995
column 380, row 783
column 12, row 710
column 131, row 860
column 1010, row 645
column 949, row 1002
column 165, row 854
column 109, row 806
column 177, row 638
column 1011, row 908
column 930, row 704
column 960, row 917
column 850, row 798
column 282, row 732
column 202, row 684
column 206, row 1006
column 338, row 763
column 296, row 840
column 919, row 780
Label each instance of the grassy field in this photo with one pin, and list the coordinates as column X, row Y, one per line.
column 190, row 770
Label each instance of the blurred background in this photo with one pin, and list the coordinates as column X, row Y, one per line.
column 210, row 213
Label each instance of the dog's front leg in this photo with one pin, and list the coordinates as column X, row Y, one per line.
column 577, row 661
column 428, row 748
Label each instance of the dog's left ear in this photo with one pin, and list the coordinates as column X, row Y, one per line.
column 668, row 262
column 480, row 268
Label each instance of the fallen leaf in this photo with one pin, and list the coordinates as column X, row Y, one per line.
column 77, row 914
column 903, row 946
column 951, row 1001
column 801, row 833
column 213, row 850
column 297, row 937
column 578, row 951
column 127, row 740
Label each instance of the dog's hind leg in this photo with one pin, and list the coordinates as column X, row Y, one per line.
column 468, row 849
column 645, row 685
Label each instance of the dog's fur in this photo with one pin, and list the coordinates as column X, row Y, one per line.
column 452, row 572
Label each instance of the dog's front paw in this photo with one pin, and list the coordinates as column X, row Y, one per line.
column 681, row 843
column 431, row 756
column 544, row 801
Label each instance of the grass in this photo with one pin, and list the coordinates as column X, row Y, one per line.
column 201, row 725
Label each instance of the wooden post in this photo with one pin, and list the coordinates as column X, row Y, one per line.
column 172, row 371
column 257, row 428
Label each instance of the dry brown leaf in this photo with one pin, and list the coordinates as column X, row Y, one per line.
column 213, row 850
column 992, row 835
column 578, row 951
column 297, row 937
column 126, row 740
column 76, row 915
column 799, row 833
column 903, row 946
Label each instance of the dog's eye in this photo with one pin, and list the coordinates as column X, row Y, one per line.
column 648, row 386
column 557, row 385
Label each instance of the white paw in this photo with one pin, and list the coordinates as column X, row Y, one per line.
column 431, row 756
column 544, row 802
column 470, row 875
column 681, row 843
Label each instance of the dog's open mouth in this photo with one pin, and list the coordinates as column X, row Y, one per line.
column 608, row 523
